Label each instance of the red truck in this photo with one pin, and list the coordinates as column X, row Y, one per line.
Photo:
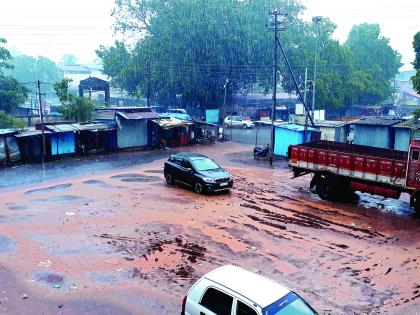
column 340, row 169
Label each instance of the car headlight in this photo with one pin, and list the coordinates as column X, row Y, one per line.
column 209, row 180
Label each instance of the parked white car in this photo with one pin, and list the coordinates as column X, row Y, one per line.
column 231, row 290
column 237, row 121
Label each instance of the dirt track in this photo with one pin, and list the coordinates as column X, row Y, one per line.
column 124, row 242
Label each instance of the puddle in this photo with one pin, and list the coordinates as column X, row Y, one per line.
column 61, row 199
column 6, row 244
column 17, row 207
column 385, row 204
column 14, row 219
column 100, row 183
column 50, row 278
column 102, row 277
column 153, row 171
column 136, row 178
column 48, row 189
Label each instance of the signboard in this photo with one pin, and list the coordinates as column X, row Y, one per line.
column 212, row 116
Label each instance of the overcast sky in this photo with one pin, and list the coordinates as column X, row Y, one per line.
column 54, row 27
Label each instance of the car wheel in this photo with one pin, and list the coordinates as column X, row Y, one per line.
column 244, row 126
column 226, row 126
column 198, row 188
column 169, row 179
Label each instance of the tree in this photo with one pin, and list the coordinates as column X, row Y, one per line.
column 11, row 92
column 375, row 63
column 74, row 108
column 416, row 78
column 68, row 59
column 29, row 69
column 189, row 48
column 8, row 121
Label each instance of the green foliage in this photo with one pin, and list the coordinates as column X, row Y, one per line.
column 375, row 63
column 79, row 109
column 61, row 88
column 74, row 108
column 68, row 59
column 5, row 57
column 8, row 121
column 30, row 69
column 416, row 78
column 416, row 114
column 190, row 47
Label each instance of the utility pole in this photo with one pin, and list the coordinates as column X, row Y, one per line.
column 276, row 28
column 224, row 98
column 315, row 19
column 38, row 83
column 148, row 84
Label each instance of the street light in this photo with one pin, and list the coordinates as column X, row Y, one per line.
column 315, row 19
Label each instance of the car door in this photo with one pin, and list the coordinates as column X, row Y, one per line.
column 242, row 308
column 237, row 121
column 215, row 302
column 187, row 172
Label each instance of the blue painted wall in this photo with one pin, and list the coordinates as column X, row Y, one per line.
column 133, row 133
column 374, row 136
column 285, row 136
column 402, row 139
column 63, row 143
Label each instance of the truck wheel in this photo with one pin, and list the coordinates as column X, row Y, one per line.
column 325, row 188
column 415, row 202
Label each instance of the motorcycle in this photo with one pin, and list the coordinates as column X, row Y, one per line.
column 261, row 151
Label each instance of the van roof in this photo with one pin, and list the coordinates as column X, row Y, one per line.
column 256, row 288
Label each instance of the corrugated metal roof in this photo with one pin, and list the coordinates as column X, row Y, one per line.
column 295, row 127
column 408, row 124
column 64, row 127
column 7, row 131
column 377, row 122
column 138, row 115
column 30, row 133
column 98, row 126
column 331, row 123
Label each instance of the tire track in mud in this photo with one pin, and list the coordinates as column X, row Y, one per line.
column 269, row 215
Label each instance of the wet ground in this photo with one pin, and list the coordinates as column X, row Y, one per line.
column 120, row 241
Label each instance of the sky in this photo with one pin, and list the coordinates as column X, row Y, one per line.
column 52, row 28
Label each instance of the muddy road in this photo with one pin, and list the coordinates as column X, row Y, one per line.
column 120, row 241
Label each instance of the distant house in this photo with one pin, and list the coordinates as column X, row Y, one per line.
column 375, row 132
column 291, row 134
column 332, row 130
column 9, row 149
column 403, row 133
column 256, row 106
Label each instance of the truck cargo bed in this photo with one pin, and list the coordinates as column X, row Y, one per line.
column 349, row 160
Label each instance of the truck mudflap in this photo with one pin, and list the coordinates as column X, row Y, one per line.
column 375, row 190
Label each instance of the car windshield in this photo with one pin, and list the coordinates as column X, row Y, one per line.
column 290, row 304
column 204, row 165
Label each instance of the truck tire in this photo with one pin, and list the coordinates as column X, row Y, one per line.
column 325, row 187
column 415, row 203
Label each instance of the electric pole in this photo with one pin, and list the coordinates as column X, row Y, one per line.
column 38, row 83
column 277, row 27
column 315, row 19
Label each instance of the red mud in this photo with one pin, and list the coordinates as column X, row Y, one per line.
column 135, row 245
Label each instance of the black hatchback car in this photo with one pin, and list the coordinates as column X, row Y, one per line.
column 198, row 172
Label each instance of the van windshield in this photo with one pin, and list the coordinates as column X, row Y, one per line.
column 290, row 304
